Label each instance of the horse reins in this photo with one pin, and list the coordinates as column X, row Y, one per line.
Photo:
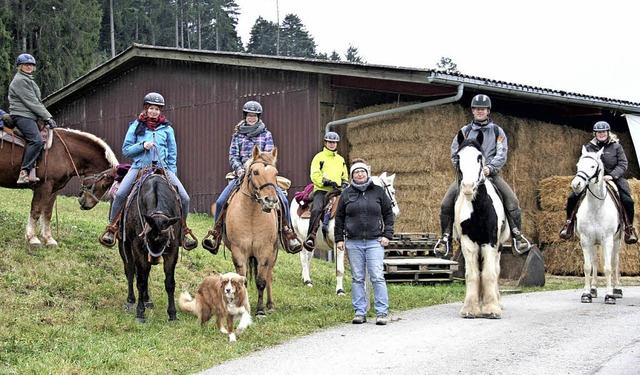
column 388, row 191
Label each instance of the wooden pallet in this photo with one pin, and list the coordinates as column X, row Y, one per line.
column 410, row 257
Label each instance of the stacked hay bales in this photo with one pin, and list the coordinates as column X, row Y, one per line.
column 416, row 146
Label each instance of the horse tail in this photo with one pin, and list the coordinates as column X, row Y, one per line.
column 187, row 303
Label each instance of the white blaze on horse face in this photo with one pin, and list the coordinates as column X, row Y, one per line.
column 471, row 163
column 587, row 167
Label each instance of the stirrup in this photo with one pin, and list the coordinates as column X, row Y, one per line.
column 211, row 244
column 567, row 230
column 189, row 241
column 310, row 242
column 442, row 247
column 518, row 241
column 630, row 236
column 111, row 229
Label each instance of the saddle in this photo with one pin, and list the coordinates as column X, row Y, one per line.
column 15, row 137
column 613, row 190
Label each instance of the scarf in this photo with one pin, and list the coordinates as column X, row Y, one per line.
column 362, row 187
column 146, row 122
column 251, row 130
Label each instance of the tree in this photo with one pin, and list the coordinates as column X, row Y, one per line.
column 262, row 38
column 295, row 40
column 447, row 65
column 335, row 56
column 352, row 55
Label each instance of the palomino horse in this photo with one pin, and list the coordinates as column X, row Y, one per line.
column 251, row 224
column 597, row 222
column 151, row 228
column 301, row 225
column 72, row 153
column 480, row 224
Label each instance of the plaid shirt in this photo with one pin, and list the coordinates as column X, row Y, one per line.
column 241, row 147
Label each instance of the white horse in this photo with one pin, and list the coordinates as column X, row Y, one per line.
column 301, row 225
column 481, row 226
column 597, row 222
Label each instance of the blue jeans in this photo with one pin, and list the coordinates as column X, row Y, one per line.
column 127, row 183
column 224, row 196
column 367, row 255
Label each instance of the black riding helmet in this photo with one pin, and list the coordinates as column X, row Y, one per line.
column 253, row 107
column 481, row 101
column 601, row 126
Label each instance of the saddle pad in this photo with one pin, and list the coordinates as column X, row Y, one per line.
column 14, row 136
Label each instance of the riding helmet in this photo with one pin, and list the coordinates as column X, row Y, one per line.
column 154, row 98
column 253, row 107
column 332, row 137
column 481, row 101
column 25, row 58
column 601, row 126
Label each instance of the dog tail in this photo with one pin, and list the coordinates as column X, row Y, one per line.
column 186, row 303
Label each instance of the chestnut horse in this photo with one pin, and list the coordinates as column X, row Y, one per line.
column 72, row 153
column 251, row 224
column 151, row 230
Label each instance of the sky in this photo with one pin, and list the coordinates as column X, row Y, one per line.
column 581, row 46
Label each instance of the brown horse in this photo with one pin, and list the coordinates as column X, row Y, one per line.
column 251, row 224
column 72, row 153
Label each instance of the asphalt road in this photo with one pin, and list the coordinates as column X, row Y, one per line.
column 539, row 333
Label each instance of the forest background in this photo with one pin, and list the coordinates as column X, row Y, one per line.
column 70, row 37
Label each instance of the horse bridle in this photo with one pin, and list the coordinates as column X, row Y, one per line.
column 387, row 189
column 164, row 231
column 84, row 189
column 256, row 189
column 596, row 177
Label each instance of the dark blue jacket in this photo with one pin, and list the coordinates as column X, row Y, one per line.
column 364, row 215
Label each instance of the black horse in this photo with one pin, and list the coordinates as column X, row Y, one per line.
column 151, row 229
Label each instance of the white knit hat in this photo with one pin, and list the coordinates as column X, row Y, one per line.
column 360, row 165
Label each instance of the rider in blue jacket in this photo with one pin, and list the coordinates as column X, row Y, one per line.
column 150, row 140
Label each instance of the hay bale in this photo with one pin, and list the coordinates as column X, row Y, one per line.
column 554, row 191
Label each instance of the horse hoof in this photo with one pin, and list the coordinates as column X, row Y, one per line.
column 467, row 315
column 149, row 305
column 129, row 307
column 617, row 292
column 586, row 298
column 51, row 243
column 609, row 299
column 260, row 314
column 141, row 320
column 173, row 319
column 492, row 316
column 308, row 283
column 594, row 292
column 340, row 292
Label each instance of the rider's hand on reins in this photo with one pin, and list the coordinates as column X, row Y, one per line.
column 147, row 145
column 486, row 171
column 608, row 178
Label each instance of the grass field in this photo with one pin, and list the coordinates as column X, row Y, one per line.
column 63, row 308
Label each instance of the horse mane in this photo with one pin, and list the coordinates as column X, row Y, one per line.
column 108, row 153
column 264, row 157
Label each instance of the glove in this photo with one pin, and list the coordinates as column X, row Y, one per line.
column 345, row 184
column 334, row 185
column 51, row 123
column 240, row 172
column 326, row 182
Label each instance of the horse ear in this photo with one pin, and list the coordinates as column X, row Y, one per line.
column 460, row 137
column 255, row 153
column 392, row 178
column 383, row 176
column 584, row 150
column 274, row 152
column 480, row 138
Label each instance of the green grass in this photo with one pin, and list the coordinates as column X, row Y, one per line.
column 63, row 308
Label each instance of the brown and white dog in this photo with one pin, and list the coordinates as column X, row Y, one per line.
column 224, row 296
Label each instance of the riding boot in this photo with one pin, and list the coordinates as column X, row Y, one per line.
column 520, row 243
column 630, row 235
column 443, row 246
column 567, row 229
column 212, row 244
column 188, row 240
column 310, row 241
column 293, row 243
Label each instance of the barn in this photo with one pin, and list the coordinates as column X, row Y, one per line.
column 400, row 119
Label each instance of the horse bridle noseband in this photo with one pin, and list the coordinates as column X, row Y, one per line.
column 596, row 177
column 387, row 190
column 256, row 189
column 170, row 230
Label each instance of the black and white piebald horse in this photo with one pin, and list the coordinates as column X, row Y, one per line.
column 481, row 226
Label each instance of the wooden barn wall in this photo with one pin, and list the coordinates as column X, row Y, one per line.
column 204, row 102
